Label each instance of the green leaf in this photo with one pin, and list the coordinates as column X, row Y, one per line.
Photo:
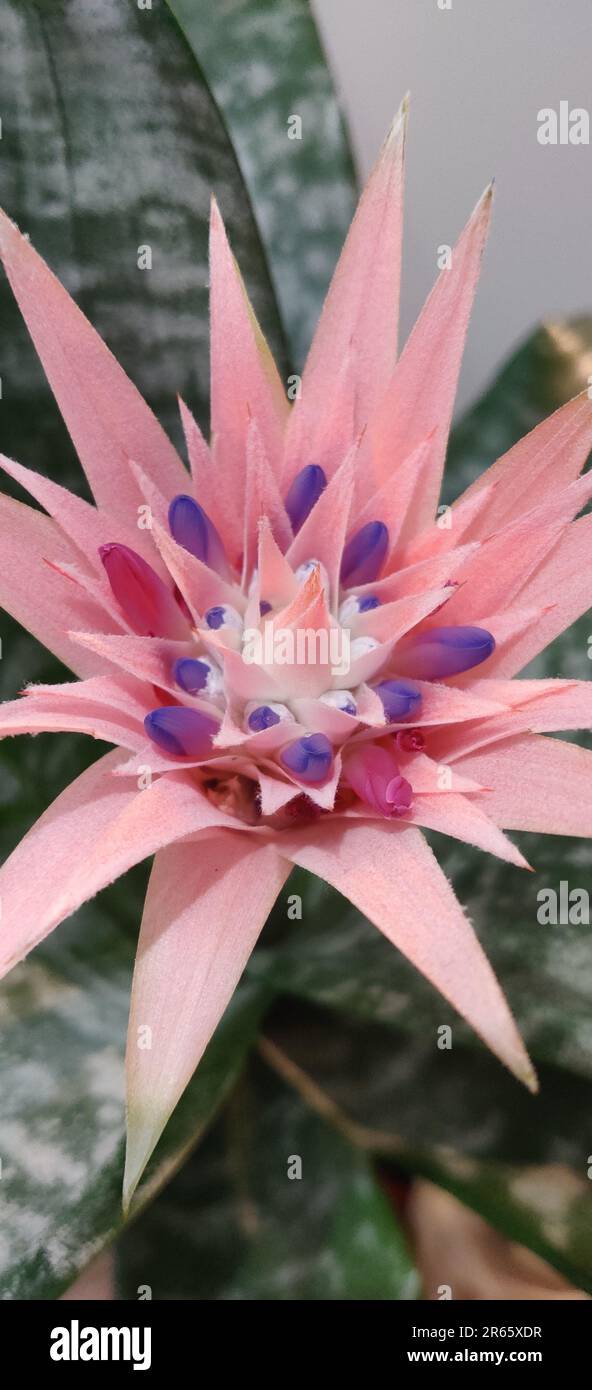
column 302, row 189
column 337, row 959
column 239, row 1223
column 111, row 140
column 429, row 1093
column 440, row 1117
column 63, row 1019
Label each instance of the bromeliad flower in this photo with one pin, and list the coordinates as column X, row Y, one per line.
column 297, row 658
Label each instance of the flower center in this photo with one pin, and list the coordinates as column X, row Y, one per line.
column 268, row 729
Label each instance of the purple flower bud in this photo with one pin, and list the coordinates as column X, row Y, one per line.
column 401, row 699
column 215, row 617
column 262, row 718
column 364, row 554
column 191, row 527
column 367, row 602
column 264, row 607
column 309, row 758
column 191, row 674
column 304, row 492
column 150, row 608
column 445, row 651
column 186, row 733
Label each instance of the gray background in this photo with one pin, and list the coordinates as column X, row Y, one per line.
column 478, row 75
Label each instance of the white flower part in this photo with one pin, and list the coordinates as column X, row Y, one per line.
column 214, row 686
column 307, row 567
column 223, row 615
column 253, row 582
column 349, row 610
column 340, row 699
column 361, row 646
column 282, row 712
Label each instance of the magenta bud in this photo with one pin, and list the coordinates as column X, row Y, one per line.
column 374, row 775
column 150, row 608
column 183, row 732
column 444, row 651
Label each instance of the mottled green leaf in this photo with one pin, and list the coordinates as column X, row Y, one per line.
column 111, row 141
column 336, row 958
column 302, row 189
column 450, row 1119
column 239, row 1223
column 63, row 1018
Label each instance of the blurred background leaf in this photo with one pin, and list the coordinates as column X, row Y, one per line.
column 63, row 1020
column 111, row 140
column 301, row 179
column 282, row 1207
column 354, row 1077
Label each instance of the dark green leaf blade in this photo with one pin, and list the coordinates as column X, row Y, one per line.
column 300, row 178
column 435, row 1116
column 63, row 1018
column 243, row 1221
column 112, row 143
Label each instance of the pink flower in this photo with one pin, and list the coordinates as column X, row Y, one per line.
column 317, row 519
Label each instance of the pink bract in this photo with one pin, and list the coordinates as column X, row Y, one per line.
column 229, row 806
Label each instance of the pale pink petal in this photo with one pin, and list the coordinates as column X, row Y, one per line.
column 36, row 714
column 492, row 578
column 432, row 778
column 277, row 582
column 36, row 594
column 262, row 498
column 537, row 783
column 217, row 501
column 464, row 819
column 86, row 527
column 388, row 503
column 324, row 437
column 201, row 587
column 558, row 593
column 105, row 414
column 534, row 706
column 429, row 573
column 449, row 529
column 391, row 621
column 113, row 826
column 420, row 395
column 149, row 658
column 206, row 904
column 244, row 381
column 360, row 314
column 541, row 463
column 390, row 874
column 35, row 879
